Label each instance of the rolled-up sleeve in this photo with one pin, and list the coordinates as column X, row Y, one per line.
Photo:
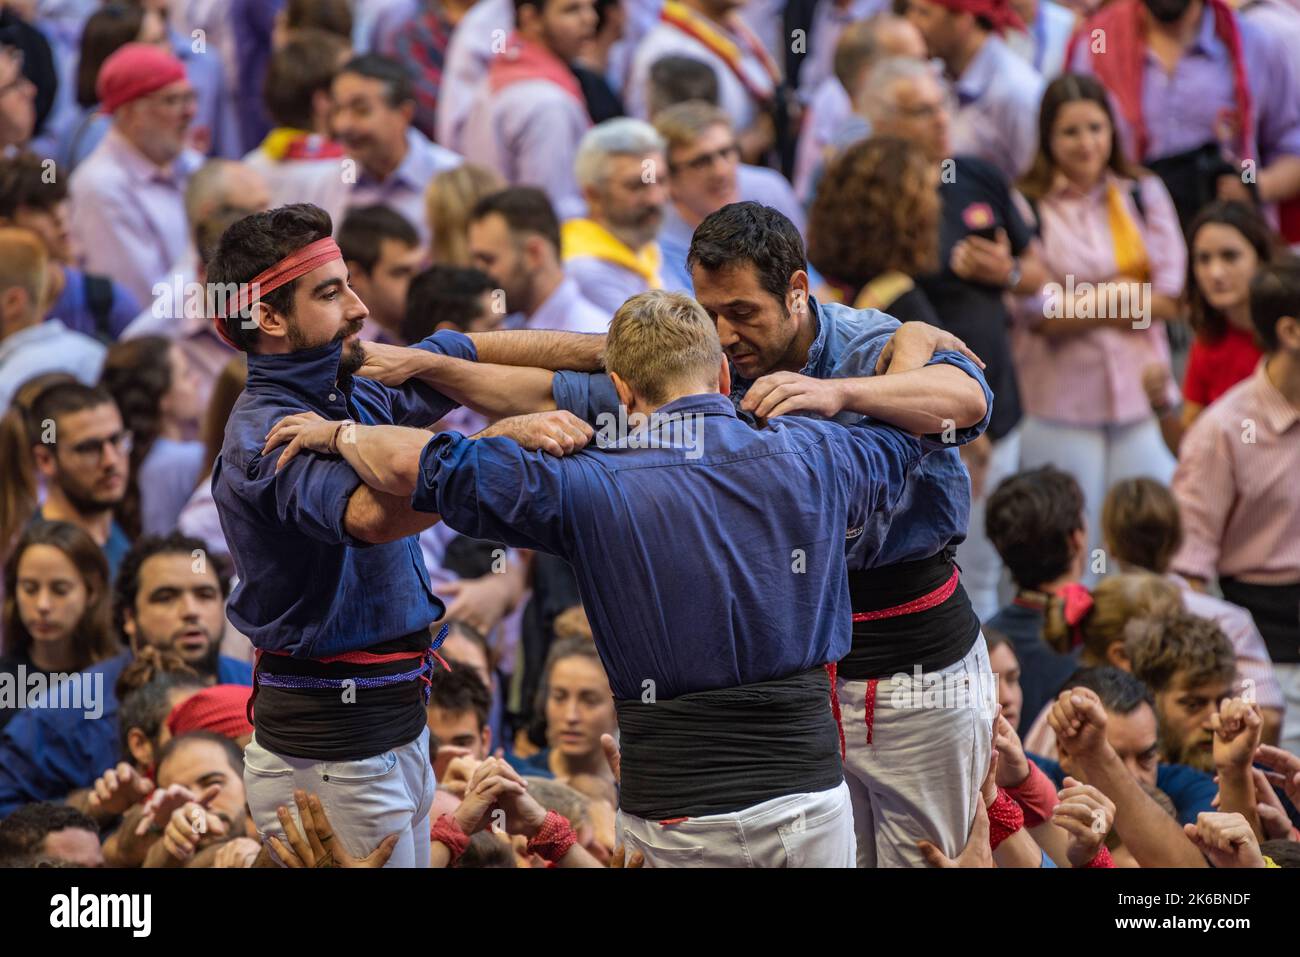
column 587, row 395
column 876, row 460
column 308, row 496
column 418, row 404
column 495, row 490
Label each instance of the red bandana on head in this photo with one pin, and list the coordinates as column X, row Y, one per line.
column 997, row 12
column 291, row 267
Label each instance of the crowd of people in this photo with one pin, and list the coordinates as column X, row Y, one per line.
column 470, row 433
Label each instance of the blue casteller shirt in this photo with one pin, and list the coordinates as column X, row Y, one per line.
column 649, row 532
column 307, row 587
column 935, row 507
column 46, row 753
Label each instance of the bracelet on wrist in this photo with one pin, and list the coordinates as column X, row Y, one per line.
column 447, row 832
column 554, row 838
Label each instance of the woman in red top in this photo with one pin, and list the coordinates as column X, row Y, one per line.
column 1229, row 242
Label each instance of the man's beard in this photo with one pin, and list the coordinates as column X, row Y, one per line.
column 86, row 504
column 206, row 666
column 353, row 358
column 1167, row 11
column 642, row 228
column 1187, row 751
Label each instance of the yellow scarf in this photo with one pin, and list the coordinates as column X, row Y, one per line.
column 881, row 292
column 1130, row 250
column 585, row 237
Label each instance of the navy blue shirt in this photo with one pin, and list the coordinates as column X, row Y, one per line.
column 307, row 587
column 45, row 753
column 935, row 507
column 650, row 533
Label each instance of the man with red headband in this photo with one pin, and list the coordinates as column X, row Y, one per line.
column 997, row 91
column 333, row 591
column 128, row 196
column 1203, row 97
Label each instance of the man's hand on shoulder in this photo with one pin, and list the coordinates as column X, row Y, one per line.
column 557, row 433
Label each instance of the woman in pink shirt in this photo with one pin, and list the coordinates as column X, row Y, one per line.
column 1112, row 241
column 1229, row 241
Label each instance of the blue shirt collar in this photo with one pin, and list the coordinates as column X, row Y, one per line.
column 705, row 403
column 312, row 374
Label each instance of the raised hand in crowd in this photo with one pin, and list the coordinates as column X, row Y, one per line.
column 1237, row 726
column 1086, row 815
column 1226, row 839
column 189, row 828
column 116, row 790
column 1151, row 836
column 1273, row 820
column 1283, row 770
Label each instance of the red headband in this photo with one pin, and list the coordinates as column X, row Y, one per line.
column 291, row 267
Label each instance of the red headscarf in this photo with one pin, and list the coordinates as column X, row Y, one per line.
column 220, row 708
column 997, row 12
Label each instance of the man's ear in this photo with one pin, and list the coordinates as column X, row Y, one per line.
column 1288, row 333
column 130, row 629
column 622, row 388
column 1117, row 656
column 141, row 749
column 46, row 463
column 724, row 377
column 796, row 295
column 272, row 323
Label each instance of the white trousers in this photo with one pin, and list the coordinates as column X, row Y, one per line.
column 920, row 773
column 798, row 830
column 366, row 800
column 1097, row 457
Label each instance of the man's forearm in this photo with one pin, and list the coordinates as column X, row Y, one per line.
column 494, row 391
column 1153, row 837
column 542, row 348
column 377, row 517
column 387, row 457
column 1237, row 793
column 923, row 401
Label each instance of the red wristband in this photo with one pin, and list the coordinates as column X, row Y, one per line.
column 447, row 832
column 1103, row 859
column 1005, row 818
column 554, row 838
column 1036, row 796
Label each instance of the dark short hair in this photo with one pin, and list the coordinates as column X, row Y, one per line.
column 460, row 690
column 749, row 234
column 145, row 703
column 678, row 79
column 1119, row 691
column 1274, row 293
column 443, row 293
column 525, row 209
column 392, row 73
column 1282, row 851
column 364, row 229
column 106, row 31
column 66, row 398
column 256, row 243
column 127, row 584
column 23, row 831
column 24, row 185
column 1029, row 519
column 332, row 16
column 234, row 754
column 303, row 67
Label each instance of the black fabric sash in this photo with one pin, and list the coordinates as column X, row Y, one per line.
column 717, row 752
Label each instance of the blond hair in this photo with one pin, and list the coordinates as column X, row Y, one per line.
column 448, row 200
column 23, row 261
column 660, row 341
column 1122, row 604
